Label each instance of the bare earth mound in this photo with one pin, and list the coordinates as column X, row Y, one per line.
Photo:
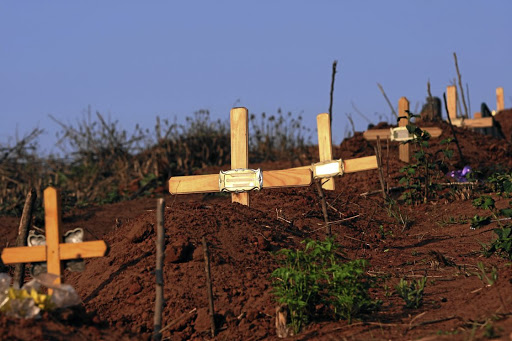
column 118, row 290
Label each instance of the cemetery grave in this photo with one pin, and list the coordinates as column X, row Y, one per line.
column 118, row 290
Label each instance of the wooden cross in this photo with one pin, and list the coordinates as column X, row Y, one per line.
column 476, row 122
column 323, row 123
column 404, row 150
column 294, row 177
column 54, row 251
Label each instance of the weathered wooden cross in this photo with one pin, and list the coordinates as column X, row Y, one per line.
column 400, row 133
column 54, row 251
column 240, row 180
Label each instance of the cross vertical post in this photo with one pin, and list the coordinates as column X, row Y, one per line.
column 323, row 123
column 451, row 101
column 240, row 147
column 500, row 102
column 52, row 217
column 404, row 150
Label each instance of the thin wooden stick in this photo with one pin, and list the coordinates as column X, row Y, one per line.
column 387, row 99
column 209, row 285
column 453, row 130
column 321, row 195
column 25, row 222
column 378, row 152
column 460, row 86
column 333, row 77
column 159, row 271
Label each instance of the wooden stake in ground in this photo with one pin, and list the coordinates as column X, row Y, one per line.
column 404, row 150
column 500, row 102
column 209, row 285
column 159, row 270
column 26, row 219
column 54, row 251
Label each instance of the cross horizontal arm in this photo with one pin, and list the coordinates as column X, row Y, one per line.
column 484, row 122
column 372, row 134
column 293, row 177
column 29, row 254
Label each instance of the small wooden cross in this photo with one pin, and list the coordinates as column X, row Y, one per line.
column 477, row 122
column 54, row 251
column 324, row 130
column 295, row 177
column 404, row 150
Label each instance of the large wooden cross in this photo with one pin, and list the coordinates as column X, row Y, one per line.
column 54, row 251
column 239, row 180
column 404, row 150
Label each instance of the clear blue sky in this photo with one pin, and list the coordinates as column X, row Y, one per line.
column 134, row 60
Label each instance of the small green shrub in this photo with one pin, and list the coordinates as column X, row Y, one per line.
column 315, row 277
column 419, row 177
column 411, row 293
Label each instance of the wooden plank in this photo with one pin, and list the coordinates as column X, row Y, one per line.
column 292, row 177
column 371, row 135
column 500, row 102
column 484, row 122
column 24, row 254
column 477, row 115
column 30, row 254
column 360, row 164
column 194, row 184
column 451, row 101
column 323, row 124
column 240, row 147
column 52, row 215
column 404, row 150
column 96, row 248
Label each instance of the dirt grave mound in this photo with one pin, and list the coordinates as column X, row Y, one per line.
column 117, row 291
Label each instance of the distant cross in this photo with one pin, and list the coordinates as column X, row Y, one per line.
column 54, row 251
column 404, row 149
column 477, row 122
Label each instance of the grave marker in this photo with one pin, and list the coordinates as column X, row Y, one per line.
column 477, row 122
column 239, row 180
column 400, row 133
column 54, row 251
column 327, row 164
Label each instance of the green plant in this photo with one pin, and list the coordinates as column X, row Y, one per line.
column 393, row 210
column 411, row 293
column 484, row 277
column 419, row 177
column 502, row 245
column 478, row 221
column 316, row 276
column 501, row 183
column 452, row 220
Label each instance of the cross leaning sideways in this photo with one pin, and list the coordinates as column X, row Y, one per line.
column 240, row 180
column 54, row 251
